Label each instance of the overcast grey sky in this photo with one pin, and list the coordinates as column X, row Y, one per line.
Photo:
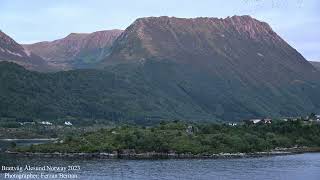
column 297, row 21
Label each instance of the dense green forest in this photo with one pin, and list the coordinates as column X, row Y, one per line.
column 148, row 92
column 122, row 93
column 181, row 137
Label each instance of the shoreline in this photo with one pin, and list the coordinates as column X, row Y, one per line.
column 155, row 155
column 35, row 139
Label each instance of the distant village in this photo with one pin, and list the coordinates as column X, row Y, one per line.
column 47, row 123
column 312, row 118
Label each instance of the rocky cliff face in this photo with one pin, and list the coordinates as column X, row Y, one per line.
column 14, row 52
column 176, row 38
column 236, row 44
column 238, row 41
column 77, row 50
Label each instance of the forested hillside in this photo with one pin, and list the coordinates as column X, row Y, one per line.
column 154, row 90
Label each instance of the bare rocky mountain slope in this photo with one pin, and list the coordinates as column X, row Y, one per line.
column 11, row 51
column 77, row 50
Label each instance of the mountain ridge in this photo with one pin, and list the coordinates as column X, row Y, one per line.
column 77, row 50
column 10, row 50
column 214, row 27
column 176, row 68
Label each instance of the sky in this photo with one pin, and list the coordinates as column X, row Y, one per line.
column 296, row 21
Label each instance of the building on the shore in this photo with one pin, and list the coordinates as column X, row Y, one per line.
column 259, row 121
column 232, row 124
column 267, row 121
column 67, row 123
column 26, row 123
column 46, row 123
column 291, row 118
column 312, row 119
column 190, row 130
column 253, row 121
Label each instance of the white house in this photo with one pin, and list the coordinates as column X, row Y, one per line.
column 267, row 121
column 232, row 124
column 68, row 123
column 189, row 130
column 46, row 123
column 255, row 121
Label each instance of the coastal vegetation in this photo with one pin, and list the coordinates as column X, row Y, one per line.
column 182, row 137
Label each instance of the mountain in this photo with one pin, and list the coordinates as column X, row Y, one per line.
column 316, row 64
column 201, row 69
column 198, row 40
column 236, row 67
column 77, row 50
column 14, row 52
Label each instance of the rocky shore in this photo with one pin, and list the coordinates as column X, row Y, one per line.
column 156, row 155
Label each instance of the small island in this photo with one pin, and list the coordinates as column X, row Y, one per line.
column 178, row 139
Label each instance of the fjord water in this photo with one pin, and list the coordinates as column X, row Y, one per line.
column 292, row 167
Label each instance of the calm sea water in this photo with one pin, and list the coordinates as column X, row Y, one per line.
column 291, row 167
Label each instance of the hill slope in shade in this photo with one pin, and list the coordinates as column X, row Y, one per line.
column 118, row 93
column 14, row 52
column 143, row 92
column 77, row 50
